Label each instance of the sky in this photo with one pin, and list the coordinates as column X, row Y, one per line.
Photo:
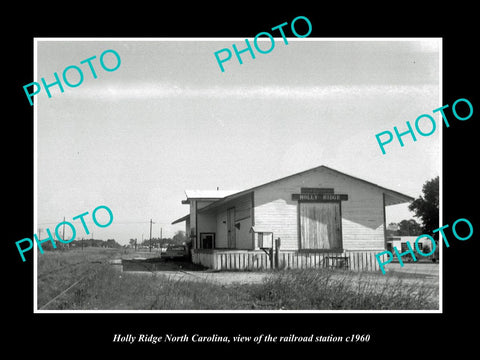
column 168, row 119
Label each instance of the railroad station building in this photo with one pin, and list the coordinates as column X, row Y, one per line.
column 316, row 218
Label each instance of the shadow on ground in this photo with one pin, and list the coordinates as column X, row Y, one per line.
column 159, row 264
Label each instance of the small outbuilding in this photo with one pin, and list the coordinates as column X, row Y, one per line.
column 423, row 244
column 316, row 218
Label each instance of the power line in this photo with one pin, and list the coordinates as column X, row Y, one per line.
column 114, row 223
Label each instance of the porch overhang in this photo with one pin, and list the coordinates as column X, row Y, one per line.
column 183, row 218
column 395, row 198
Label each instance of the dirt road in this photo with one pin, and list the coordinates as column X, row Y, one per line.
column 184, row 270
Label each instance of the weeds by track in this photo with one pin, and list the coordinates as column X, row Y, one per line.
column 58, row 273
column 72, row 281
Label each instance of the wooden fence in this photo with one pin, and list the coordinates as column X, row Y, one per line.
column 257, row 259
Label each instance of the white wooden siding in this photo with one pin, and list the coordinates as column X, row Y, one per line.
column 397, row 242
column 362, row 213
column 207, row 223
column 243, row 237
column 187, row 227
column 221, row 235
column 204, row 221
column 193, row 219
column 278, row 215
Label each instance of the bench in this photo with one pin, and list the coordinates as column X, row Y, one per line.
column 338, row 262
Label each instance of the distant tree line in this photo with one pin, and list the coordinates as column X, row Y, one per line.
column 404, row 228
column 177, row 239
column 79, row 243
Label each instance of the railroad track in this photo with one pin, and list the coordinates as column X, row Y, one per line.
column 91, row 272
column 83, row 276
column 69, row 266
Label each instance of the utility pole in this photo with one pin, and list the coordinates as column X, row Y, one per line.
column 151, row 222
column 160, row 243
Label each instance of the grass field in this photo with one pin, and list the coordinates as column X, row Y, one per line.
column 97, row 285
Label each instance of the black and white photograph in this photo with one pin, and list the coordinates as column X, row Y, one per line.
column 243, row 181
column 262, row 188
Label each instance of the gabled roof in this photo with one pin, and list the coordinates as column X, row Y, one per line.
column 392, row 197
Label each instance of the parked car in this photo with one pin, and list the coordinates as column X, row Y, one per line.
column 176, row 252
